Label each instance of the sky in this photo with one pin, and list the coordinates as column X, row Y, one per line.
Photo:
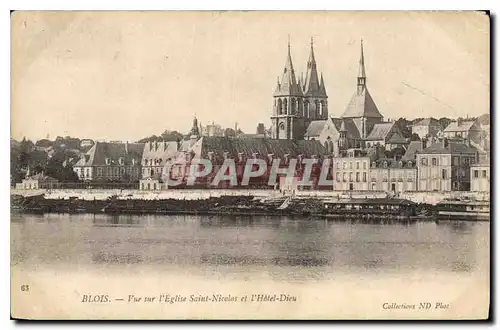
column 128, row 75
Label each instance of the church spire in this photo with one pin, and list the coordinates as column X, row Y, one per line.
column 288, row 85
column 361, row 72
column 312, row 83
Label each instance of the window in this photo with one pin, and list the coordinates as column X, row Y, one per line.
column 476, row 173
column 484, row 173
column 350, row 176
column 364, row 177
column 357, row 176
column 345, row 165
column 357, row 165
column 434, row 161
column 337, row 177
column 385, row 164
column 338, row 164
column 456, row 160
column 423, row 162
column 364, row 165
column 344, row 177
column 350, row 165
column 443, row 174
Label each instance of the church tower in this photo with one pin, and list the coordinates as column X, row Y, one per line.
column 287, row 117
column 315, row 98
column 362, row 109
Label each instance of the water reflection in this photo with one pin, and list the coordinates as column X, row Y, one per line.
column 286, row 247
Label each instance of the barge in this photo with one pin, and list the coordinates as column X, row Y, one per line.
column 463, row 209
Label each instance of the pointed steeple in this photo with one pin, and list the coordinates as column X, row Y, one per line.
column 361, row 71
column 289, row 85
column 322, row 88
column 312, row 82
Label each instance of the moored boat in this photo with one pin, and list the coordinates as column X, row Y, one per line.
column 462, row 209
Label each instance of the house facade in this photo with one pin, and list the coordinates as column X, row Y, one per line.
column 445, row 166
column 480, row 177
column 393, row 175
column 111, row 162
column 427, row 127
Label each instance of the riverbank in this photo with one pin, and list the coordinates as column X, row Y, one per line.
column 426, row 197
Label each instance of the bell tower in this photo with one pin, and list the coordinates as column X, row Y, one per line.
column 288, row 117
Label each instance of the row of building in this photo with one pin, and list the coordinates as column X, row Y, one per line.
column 366, row 151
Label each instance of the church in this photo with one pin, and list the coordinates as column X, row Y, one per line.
column 300, row 112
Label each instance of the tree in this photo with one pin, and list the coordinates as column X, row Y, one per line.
column 415, row 137
column 403, row 126
column 444, row 122
column 171, row 136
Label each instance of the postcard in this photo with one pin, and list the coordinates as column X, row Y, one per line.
column 250, row 165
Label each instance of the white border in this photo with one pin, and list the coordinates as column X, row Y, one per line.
column 175, row 5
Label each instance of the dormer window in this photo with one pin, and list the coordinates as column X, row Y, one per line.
column 410, row 164
column 385, row 164
column 121, row 161
column 400, row 164
column 145, row 162
column 226, row 154
column 108, row 161
column 240, row 156
column 374, row 164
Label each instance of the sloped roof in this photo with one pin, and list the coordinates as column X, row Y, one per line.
column 114, row 151
column 451, row 148
column 41, row 177
column 159, row 150
column 412, row 149
column 362, row 105
column 250, row 146
column 315, row 127
column 396, row 138
column 461, row 126
column 393, row 163
column 380, row 131
column 427, row 122
column 349, row 125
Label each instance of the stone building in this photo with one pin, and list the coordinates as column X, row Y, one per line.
column 38, row 181
column 111, row 162
column 427, row 127
column 445, row 166
column 480, row 179
column 241, row 150
column 351, row 172
column 155, row 155
column 360, row 126
column 393, row 175
column 298, row 101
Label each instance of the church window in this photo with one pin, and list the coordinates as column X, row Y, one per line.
column 306, row 109
column 293, row 105
column 285, row 106
column 280, row 107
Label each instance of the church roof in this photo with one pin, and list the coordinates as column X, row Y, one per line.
column 288, row 84
column 250, row 146
column 362, row 105
column 312, row 84
column 349, row 126
column 380, row 131
column 411, row 151
column 315, row 128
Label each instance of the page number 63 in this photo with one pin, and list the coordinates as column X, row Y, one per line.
column 25, row 287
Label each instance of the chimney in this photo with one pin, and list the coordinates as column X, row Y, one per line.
column 445, row 142
column 424, row 143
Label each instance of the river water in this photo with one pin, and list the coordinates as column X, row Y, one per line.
column 311, row 261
